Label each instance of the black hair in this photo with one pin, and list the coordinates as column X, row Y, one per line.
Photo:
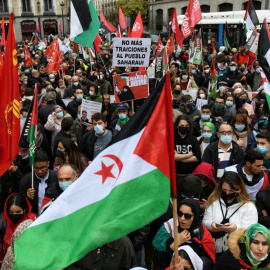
column 258, row 105
column 19, row 200
column 66, row 123
column 220, row 98
column 183, row 254
column 186, row 98
column 242, row 111
column 189, row 186
column 264, row 135
column 99, row 116
column 84, row 73
column 41, row 156
column 25, row 109
column 206, row 106
column 252, row 155
column 186, row 118
column 28, row 92
column 95, row 86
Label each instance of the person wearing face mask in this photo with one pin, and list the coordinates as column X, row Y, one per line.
column 244, row 56
column 263, row 147
column 229, row 208
column 222, row 90
column 52, row 80
column 16, row 210
column 260, row 111
column 221, row 65
column 94, row 141
column 72, row 107
column 219, row 110
column 70, row 91
column 254, row 78
column 205, row 76
column 231, row 75
column 252, row 172
column 186, row 146
column 187, row 82
column 177, row 95
column 123, row 117
column 94, row 94
column 188, row 108
column 104, row 86
column 208, row 135
column 248, row 249
column 243, row 80
column 242, row 134
column 23, row 85
column 202, row 93
column 244, row 100
column 223, row 152
column 230, row 104
column 61, row 88
column 85, row 82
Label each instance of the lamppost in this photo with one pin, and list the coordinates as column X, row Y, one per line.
column 38, row 6
column 62, row 5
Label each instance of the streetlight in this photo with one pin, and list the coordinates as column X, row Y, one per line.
column 62, row 5
column 38, row 5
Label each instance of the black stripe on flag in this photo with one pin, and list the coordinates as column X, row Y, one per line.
column 82, row 9
column 263, row 48
column 141, row 117
column 252, row 14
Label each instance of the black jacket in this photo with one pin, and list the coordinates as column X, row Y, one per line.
column 72, row 108
column 110, row 112
column 53, row 191
column 210, row 155
column 88, row 143
column 45, row 111
column 69, row 92
column 26, row 183
column 262, row 203
column 225, row 114
column 196, row 125
column 230, row 77
column 24, row 168
column 59, row 137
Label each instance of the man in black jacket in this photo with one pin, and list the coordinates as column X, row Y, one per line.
column 46, row 110
column 94, row 141
column 223, row 152
column 43, row 177
column 219, row 110
column 72, row 107
column 263, row 206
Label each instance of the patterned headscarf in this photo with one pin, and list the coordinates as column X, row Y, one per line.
column 213, row 129
column 249, row 235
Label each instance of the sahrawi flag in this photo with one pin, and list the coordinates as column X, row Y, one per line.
column 250, row 18
column 84, row 22
column 264, row 58
column 214, row 79
column 129, row 187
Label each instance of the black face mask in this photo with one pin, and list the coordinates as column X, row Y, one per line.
column 243, row 100
column 177, row 92
column 243, row 82
column 227, row 197
column 59, row 153
column 15, row 218
column 183, row 130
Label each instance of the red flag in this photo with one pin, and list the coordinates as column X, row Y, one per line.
column 55, row 57
column 192, row 17
column 51, row 48
column 3, row 40
column 137, row 30
column 9, row 103
column 1, row 62
column 159, row 46
column 97, row 41
column 129, row 33
column 75, row 47
column 28, row 60
column 119, row 34
column 175, row 28
column 107, row 27
column 122, row 19
column 213, row 48
column 61, row 27
column 37, row 33
column 213, row 67
column 45, row 41
column 170, row 44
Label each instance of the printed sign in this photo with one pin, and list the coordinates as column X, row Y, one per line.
column 131, row 52
column 89, row 108
column 130, row 86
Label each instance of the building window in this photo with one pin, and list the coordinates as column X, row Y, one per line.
column 3, row 6
column 26, row 6
column 225, row 7
column 170, row 12
column 159, row 20
column 184, row 9
column 205, row 8
column 257, row 5
column 48, row 5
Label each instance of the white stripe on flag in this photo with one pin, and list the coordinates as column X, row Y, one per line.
column 89, row 189
column 266, row 84
column 267, row 56
column 249, row 23
column 75, row 24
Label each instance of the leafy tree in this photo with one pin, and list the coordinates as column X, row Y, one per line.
column 113, row 17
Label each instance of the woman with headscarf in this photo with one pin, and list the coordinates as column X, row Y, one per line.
column 191, row 233
column 248, row 249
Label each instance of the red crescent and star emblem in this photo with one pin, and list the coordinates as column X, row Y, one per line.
column 106, row 171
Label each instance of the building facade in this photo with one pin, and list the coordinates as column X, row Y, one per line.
column 28, row 14
column 106, row 6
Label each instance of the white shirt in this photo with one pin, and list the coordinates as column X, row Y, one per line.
column 41, row 189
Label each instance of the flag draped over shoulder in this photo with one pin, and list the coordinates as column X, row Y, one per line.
column 9, row 103
column 84, row 22
column 129, row 187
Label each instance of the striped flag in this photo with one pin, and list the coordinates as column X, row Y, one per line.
column 129, row 187
column 105, row 25
column 227, row 38
column 250, row 18
column 214, row 79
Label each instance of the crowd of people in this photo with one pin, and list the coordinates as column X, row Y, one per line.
column 222, row 158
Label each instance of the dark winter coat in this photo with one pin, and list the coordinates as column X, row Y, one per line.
column 262, row 203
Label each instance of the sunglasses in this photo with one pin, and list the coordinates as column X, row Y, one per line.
column 186, row 215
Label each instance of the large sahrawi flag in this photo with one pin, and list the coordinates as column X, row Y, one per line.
column 84, row 22
column 251, row 17
column 124, row 188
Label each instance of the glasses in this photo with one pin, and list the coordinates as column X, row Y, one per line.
column 226, row 132
column 187, row 216
column 40, row 168
column 186, row 268
column 207, row 131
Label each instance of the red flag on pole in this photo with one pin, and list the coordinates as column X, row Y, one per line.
column 1, row 62
column 3, row 40
column 75, row 47
column 175, row 28
column 55, row 57
column 129, row 33
column 192, row 17
column 170, row 44
column 37, row 33
column 28, row 60
column 159, row 46
column 97, row 41
column 137, row 30
column 9, row 103
column 61, row 27
column 122, row 19
column 107, row 27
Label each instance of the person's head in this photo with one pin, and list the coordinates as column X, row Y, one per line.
column 184, row 75
column 24, row 111
column 205, row 172
column 176, row 89
column 208, row 131
column 41, row 163
column 99, row 121
column 253, row 161
column 84, row 114
column 219, row 103
column 259, row 109
column 78, row 94
column 122, row 110
column 206, row 68
column 225, row 133
column 106, row 99
column 67, row 174
column 61, row 83
column 188, row 214
column 263, row 142
column 206, row 112
column 238, row 87
column 52, row 78
column 222, row 85
column 244, row 97
column 263, row 124
column 242, row 77
column 257, row 241
column 67, row 124
column 59, row 111
column 35, row 73
column 75, row 81
column 232, row 66
column 187, row 101
column 202, row 93
column 183, row 125
column 229, row 102
column 256, row 66
column 50, row 96
column 16, row 207
column 239, row 123
column 93, row 90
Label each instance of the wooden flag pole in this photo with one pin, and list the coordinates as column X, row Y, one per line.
column 132, row 105
column 175, row 230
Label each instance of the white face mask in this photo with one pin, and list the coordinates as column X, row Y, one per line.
column 100, row 77
column 91, row 93
column 219, row 65
column 76, row 83
column 202, row 96
column 184, row 77
column 238, row 90
column 207, row 71
column 52, row 80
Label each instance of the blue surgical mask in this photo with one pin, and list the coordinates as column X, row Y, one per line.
column 60, row 115
column 254, row 257
column 193, row 71
column 221, row 88
column 207, row 135
column 190, row 105
column 61, row 86
column 233, row 68
column 99, row 129
column 79, row 117
column 258, row 70
column 79, row 97
column 26, row 71
column 25, row 82
column 226, row 139
column 262, row 149
column 205, row 117
column 122, row 116
column 239, row 127
column 81, row 79
column 229, row 104
column 65, row 185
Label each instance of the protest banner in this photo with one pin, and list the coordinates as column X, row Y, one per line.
column 130, row 86
column 200, row 103
column 132, row 52
column 90, row 107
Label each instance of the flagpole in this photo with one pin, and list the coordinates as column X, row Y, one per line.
column 175, row 230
